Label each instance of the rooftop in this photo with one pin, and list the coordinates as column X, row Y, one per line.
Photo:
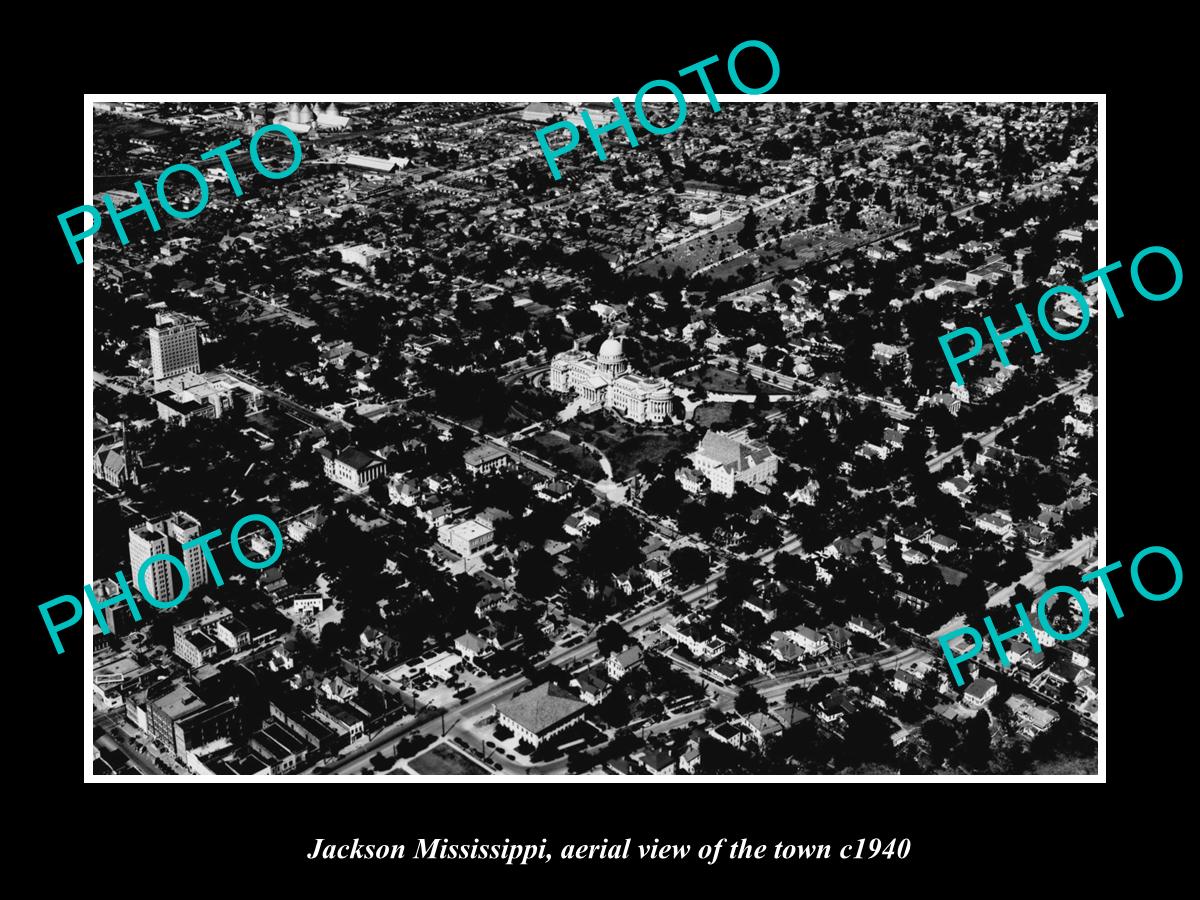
column 541, row 708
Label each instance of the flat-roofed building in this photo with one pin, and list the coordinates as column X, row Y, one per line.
column 466, row 538
column 146, row 542
column 234, row 633
column 174, row 347
column 280, row 747
column 193, row 646
column 180, row 720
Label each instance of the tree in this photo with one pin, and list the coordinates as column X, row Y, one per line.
column 614, row 709
column 750, row 701
column 971, row 449
column 740, row 577
column 663, row 497
column 331, row 637
column 796, row 695
column 940, row 738
column 611, row 638
column 613, row 546
column 747, row 238
column 975, row 751
column 689, row 566
column 868, row 739
column 536, row 578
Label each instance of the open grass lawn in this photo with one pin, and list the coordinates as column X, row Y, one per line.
column 514, row 420
column 696, row 253
column 715, row 380
column 601, row 429
column 445, row 760
column 712, row 414
column 564, row 454
column 275, row 423
column 653, row 446
column 626, row 446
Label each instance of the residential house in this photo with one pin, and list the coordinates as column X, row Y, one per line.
column 659, row 573
column 592, row 685
column 980, row 692
column 470, row 646
column 810, row 641
column 657, row 761
column 764, row 606
column 762, row 727
column 621, row 664
column 866, row 627
column 943, row 544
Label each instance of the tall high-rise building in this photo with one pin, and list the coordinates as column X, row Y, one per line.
column 182, row 528
column 167, row 535
column 174, row 347
column 146, row 541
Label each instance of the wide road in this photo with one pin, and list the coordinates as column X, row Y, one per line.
column 1072, row 556
column 1019, row 193
column 144, row 764
column 774, row 687
column 1072, row 387
column 500, row 691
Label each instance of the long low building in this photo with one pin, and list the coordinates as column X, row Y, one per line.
column 541, row 713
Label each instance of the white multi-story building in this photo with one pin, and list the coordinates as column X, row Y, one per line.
column 174, row 347
column 702, row 643
column 727, row 462
column 168, row 535
column 604, row 379
column 352, row 468
column 308, row 604
column 466, row 538
column 182, row 528
column 811, row 642
column 146, row 541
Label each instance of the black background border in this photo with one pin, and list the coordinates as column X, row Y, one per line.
column 954, row 827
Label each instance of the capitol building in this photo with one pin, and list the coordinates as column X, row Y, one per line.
column 605, row 379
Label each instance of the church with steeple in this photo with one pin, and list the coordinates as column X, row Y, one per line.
column 114, row 461
column 605, row 380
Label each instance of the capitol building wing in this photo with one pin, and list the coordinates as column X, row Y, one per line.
column 604, row 379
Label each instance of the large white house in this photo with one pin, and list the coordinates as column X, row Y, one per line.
column 605, row 379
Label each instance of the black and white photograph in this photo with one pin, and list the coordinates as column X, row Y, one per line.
column 530, row 451
column 518, row 438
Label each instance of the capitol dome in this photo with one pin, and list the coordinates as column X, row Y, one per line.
column 611, row 349
column 611, row 358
